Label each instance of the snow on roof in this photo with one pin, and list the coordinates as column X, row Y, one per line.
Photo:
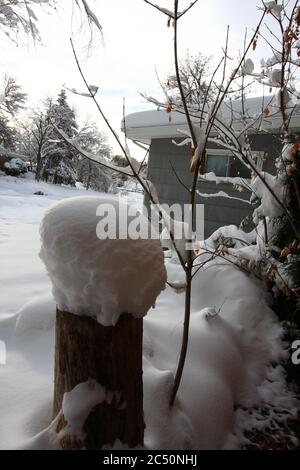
column 146, row 125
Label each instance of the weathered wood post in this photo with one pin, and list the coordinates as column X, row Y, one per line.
column 103, row 288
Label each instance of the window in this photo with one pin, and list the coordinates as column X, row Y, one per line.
column 217, row 164
column 224, row 163
column 237, row 168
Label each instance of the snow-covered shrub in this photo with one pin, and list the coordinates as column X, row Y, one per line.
column 269, row 207
column 285, row 247
column 15, row 167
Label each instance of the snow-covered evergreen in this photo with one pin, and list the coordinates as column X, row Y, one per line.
column 58, row 165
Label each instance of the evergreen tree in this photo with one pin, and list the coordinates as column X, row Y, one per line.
column 59, row 157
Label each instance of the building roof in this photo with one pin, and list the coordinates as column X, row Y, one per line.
column 147, row 125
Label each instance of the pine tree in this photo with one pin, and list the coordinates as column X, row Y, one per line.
column 59, row 157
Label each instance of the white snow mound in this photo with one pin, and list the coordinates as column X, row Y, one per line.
column 30, row 318
column 96, row 277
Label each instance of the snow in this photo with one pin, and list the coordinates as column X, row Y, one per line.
column 228, row 356
column 95, row 277
column 154, row 124
column 232, row 232
column 11, row 154
column 274, row 8
column 234, row 343
column 222, row 194
column 273, row 392
column 287, row 152
column 274, row 60
column 283, row 97
column 199, row 150
column 154, row 118
column 16, row 164
column 78, row 403
column 93, row 89
column 268, row 207
column 236, row 180
column 90, row 156
column 180, row 232
column 29, row 316
column 275, row 77
column 248, row 68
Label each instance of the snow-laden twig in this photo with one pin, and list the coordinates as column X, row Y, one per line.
column 224, row 195
column 147, row 186
column 96, row 159
column 169, row 13
column 92, row 18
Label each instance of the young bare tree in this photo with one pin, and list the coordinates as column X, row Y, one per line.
column 194, row 76
column 36, row 138
column 93, row 176
column 207, row 119
column 12, row 100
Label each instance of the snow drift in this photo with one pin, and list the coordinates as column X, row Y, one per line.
column 233, row 348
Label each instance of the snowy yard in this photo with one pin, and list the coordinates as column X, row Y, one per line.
column 231, row 370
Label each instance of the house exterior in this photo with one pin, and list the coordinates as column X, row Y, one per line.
column 155, row 128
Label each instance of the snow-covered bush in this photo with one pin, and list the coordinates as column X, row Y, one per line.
column 15, row 166
column 284, row 249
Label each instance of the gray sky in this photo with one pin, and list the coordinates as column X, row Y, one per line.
column 136, row 39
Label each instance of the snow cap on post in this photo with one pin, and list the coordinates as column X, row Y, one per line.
column 101, row 278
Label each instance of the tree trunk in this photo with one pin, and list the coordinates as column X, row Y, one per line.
column 113, row 357
column 38, row 165
column 89, row 176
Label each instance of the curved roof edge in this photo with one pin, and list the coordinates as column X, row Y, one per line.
column 147, row 125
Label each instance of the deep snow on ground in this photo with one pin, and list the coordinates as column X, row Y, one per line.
column 234, row 338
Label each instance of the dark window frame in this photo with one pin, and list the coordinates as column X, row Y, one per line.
column 220, row 153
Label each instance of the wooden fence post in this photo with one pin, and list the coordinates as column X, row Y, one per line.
column 113, row 357
column 103, row 286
